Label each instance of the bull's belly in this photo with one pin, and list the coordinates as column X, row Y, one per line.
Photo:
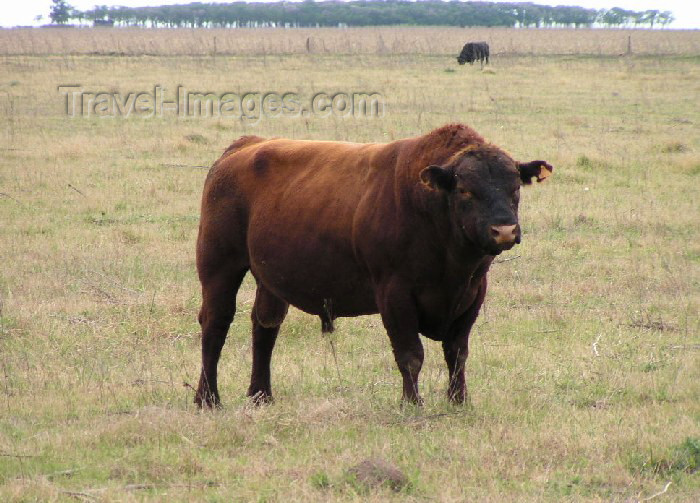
column 324, row 285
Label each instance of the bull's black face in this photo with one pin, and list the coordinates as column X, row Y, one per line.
column 483, row 203
column 482, row 190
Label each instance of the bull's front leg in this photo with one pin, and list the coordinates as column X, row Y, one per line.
column 400, row 319
column 456, row 347
column 456, row 351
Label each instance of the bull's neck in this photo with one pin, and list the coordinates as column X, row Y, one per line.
column 464, row 261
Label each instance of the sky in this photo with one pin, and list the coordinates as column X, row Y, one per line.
column 23, row 12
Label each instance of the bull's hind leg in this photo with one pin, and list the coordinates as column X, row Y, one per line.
column 219, row 288
column 267, row 315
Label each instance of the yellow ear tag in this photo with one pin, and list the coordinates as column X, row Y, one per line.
column 544, row 173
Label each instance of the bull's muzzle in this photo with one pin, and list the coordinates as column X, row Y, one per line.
column 505, row 236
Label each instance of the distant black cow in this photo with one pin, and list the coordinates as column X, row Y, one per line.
column 474, row 51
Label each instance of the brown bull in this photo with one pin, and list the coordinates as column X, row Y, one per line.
column 406, row 229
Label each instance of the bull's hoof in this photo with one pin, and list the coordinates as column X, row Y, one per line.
column 207, row 401
column 259, row 398
column 415, row 400
column 457, row 396
column 460, row 399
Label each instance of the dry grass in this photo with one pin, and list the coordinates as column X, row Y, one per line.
column 585, row 365
column 379, row 40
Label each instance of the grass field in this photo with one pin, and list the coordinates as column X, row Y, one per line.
column 584, row 370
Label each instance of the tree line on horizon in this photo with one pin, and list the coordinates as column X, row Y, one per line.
column 359, row 13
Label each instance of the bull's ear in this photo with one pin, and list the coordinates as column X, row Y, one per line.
column 538, row 169
column 438, row 178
